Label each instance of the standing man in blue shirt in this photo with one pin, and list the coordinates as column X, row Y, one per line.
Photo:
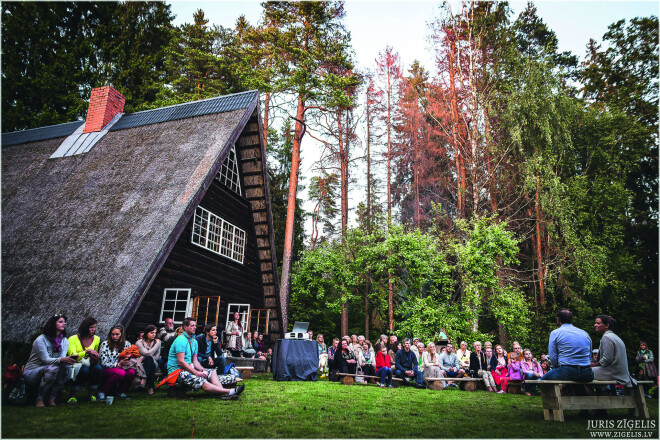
column 183, row 356
column 569, row 351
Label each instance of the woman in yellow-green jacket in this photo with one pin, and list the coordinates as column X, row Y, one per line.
column 87, row 369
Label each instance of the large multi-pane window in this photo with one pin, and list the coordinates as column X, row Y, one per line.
column 176, row 305
column 217, row 235
column 228, row 174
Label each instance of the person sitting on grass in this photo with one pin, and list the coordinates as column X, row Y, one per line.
column 149, row 349
column 406, row 365
column 182, row 362
column 498, row 369
column 366, row 359
column 479, row 367
column 450, row 366
column 85, row 345
column 116, row 372
column 209, row 352
column 48, row 365
column 322, row 352
column 431, row 363
column 384, row 367
column 531, row 370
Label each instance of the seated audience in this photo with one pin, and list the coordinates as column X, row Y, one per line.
column 116, row 372
column 382, row 341
column 488, row 345
column 354, row 345
column 531, row 371
column 498, row 369
column 209, row 352
column 366, row 359
column 406, row 365
column 394, row 348
column 149, row 349
column 463, row 355
column 449, row 364
column 345, row 359
column 259, row 344
column 515, row 355
column 479, row 366
column 612, row 361
column 420, row 349
column 48, row 366
column 85, row 345
column 248, row 348
column 431, row 363
column 515, row 371
column 414, row 349
column 384, row 367
column 166, row 336
column 183, row 363
column 393, row 340
column 332, row 350
column 322, row 351
column 545, row 366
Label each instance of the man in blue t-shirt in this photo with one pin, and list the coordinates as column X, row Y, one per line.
column 183, row 356
column 569, row 351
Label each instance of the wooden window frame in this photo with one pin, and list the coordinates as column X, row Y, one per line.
column 228, row 174
column 212, row 232
column 176, row 301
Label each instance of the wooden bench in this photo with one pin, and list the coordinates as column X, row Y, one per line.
column 246, row 372
column 348, row 379
column 466, row 383
column 554, row 404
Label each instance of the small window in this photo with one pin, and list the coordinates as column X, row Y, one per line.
column 217, row 235
column 243, row 310
column 228, row 174
column 176, row 305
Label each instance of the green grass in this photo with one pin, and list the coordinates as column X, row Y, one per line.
column 304, row 410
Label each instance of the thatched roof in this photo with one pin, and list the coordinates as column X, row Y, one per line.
column 85, row 235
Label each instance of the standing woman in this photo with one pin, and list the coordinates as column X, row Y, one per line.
column 48, row 365
column 115, row 371
column 85, row 346
column 431, row 363
column 498, row 369
column 149, row 349
column 234, row 332
column 479, row 366
column 645, row 360
column 323, row 354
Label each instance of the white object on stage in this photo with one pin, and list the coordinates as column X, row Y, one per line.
column 299, row 331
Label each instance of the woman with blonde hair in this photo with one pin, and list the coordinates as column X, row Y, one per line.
column 323, row 354
column 431, row 363
column 498, row 369
column 479, row 367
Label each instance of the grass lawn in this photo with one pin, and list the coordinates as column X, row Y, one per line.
column 304, row 410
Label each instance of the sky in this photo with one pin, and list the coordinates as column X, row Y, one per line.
column 404, row 26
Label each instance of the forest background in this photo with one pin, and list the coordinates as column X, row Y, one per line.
column 503, row 182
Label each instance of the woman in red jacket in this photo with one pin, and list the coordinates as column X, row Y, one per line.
column 384, row 367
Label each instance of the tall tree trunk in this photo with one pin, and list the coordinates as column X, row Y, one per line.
column 539, row 248
column 492, row 179
column 285, row 283
column 343, row 166
column 368, row 214
column 390, row 286
column 460, row 179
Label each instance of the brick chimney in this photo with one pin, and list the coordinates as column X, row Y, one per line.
column 104, row 104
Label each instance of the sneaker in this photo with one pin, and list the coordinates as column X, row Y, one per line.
column 501, row 392
column 390, row 386
column 72, row 400
column 228, row 397
column 101, row 396
column 124, row 396
column 92, row 399
column 239, row 389
column 382, row 385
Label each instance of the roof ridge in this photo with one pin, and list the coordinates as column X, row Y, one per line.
column 197, row 101
column 44, row 127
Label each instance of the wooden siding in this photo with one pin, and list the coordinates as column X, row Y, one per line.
column 189, row 266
